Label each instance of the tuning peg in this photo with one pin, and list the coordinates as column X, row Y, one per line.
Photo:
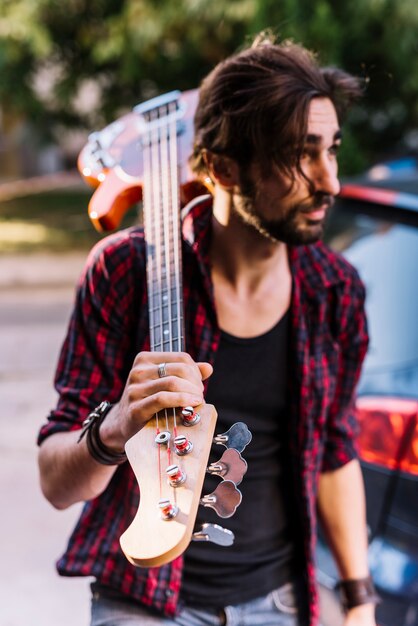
column 167, row 509
column 215, row 534
column 224, row 500
column 175, row 475
column 190, row 416
column 182, row 445
column 231, row 466
column 238, row 437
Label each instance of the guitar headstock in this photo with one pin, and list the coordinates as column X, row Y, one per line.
column 112, row 163
column 154, row 536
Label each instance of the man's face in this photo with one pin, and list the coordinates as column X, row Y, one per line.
column 295, row 213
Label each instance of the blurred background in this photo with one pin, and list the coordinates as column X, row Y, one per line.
column 72, row 67
column 69, row 68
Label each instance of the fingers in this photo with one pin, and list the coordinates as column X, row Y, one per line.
column 179, row 364
column 147, row 393
column 163, row 357
column 179, row 370
column 143, row 410
column 182, row 376
column 206, row 370
column 144, row 387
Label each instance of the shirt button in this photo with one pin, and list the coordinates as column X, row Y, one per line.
column 169, row 593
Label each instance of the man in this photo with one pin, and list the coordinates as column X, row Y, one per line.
column 281, row 319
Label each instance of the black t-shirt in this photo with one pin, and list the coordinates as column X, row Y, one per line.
column 249, row 385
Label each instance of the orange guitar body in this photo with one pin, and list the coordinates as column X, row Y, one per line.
column 112, row 162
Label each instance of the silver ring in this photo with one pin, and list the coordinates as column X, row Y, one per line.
column 162, row 370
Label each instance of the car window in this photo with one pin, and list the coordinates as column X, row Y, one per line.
column 386, row 256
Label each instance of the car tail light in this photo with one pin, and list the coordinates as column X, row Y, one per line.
column 389, row 432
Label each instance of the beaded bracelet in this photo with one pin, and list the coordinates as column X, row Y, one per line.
column 100, row 453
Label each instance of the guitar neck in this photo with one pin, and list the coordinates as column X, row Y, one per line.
column 161, row 203
column 169, row 454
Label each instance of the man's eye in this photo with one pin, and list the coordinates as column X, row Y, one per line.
column 308, row 154
column 335, row 149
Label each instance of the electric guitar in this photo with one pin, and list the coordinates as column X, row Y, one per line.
column 144, row 156
column 112, row 161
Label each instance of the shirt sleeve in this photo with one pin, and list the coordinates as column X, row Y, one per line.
column 99, row 347
column 342, row 427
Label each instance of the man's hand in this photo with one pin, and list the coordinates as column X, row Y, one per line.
column 146, row 394
column 363, row 615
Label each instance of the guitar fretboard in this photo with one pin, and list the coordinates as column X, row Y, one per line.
column 162, row 223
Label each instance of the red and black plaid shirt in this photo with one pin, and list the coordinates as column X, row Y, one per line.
column 109, row 326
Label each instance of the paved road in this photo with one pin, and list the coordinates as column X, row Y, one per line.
column 35, row 299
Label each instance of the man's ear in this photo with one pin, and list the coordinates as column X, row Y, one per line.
column 222, row 169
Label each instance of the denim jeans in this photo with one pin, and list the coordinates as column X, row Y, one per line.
column 280, row 607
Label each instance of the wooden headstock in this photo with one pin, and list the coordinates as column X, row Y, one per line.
column 151, row 540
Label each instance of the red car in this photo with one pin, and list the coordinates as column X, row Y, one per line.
column 375, row 226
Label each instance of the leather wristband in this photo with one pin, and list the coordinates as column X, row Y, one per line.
column 100, row 453
column 354, row 592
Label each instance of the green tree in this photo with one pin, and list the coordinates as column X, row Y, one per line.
column 131, row 49
column 375, row 40
column 84, row 62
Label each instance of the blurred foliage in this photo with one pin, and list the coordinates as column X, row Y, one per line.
column 82, row 63
column 53, row 221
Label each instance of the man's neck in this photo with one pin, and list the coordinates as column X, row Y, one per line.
column 251, row 275
column 244, row 257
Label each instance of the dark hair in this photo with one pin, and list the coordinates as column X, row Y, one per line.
column 254, row 105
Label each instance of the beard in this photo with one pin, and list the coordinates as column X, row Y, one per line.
column 288, row 228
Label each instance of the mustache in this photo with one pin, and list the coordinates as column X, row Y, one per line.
column 317, row 201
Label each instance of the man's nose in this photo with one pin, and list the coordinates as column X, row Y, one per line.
column 326, row 177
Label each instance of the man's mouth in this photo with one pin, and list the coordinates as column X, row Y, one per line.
column 317, row 215
column 317, row 211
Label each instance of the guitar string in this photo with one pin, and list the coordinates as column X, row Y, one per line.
column 169, row 172
column 158, row 247
column 169, row 184
column 155, row 210
column 176, row 230
column 172, row 220
column 174, row 224
column 158, row 176
column 176, row 227
column 163, row 213
column 160, row 180
column 150, row 231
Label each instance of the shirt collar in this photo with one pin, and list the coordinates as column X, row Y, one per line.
column 315, row 269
